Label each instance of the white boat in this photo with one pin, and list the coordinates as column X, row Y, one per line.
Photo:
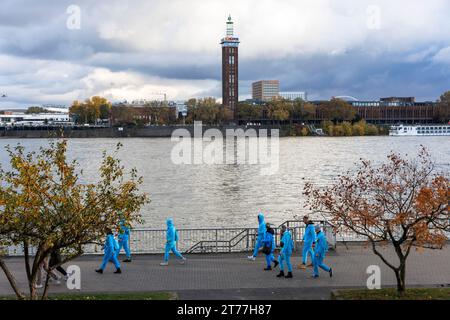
column 420, row 130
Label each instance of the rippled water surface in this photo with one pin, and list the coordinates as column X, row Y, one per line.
column 232, row 195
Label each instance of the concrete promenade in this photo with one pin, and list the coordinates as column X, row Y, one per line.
column 232, row 276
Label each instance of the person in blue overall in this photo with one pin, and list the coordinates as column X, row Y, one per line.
column 116, row 249
column 320, row 251
column 171, row 244
column 124, row 240
column 309, row 238
column 287, row 246
column 110, row 253
column 269, row 248
column 260, row 237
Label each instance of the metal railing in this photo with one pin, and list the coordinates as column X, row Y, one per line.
column 195, row 240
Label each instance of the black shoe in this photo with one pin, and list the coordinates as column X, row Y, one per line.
column 118, row 271
column 275, row 264
column 289, row 275
column 281, row 274
column 268, row 268
column 99, row 271
column 331, row 272
column 127, row 260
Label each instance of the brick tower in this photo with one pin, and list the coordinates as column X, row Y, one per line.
column 230, row 84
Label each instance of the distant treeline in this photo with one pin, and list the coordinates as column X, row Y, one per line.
column 342, row 129
column 360, row 128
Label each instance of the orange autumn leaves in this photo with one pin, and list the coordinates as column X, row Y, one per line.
column 403, row 202
column 46, row 206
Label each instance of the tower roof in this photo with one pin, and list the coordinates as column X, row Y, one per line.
column 230, row 40
column 230, row 28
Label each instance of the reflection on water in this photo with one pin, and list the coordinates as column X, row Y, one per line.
column 232, row 195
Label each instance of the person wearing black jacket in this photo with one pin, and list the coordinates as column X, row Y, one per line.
column 269, row 247
column 55, row 259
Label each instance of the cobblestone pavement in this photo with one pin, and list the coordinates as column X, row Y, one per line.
column 232, row 276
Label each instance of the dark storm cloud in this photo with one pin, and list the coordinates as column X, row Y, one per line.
column 354, row 73
column 175, row 44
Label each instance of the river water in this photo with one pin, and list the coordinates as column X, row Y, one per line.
column 231, row 195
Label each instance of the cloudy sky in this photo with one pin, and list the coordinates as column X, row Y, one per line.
column 138, row 49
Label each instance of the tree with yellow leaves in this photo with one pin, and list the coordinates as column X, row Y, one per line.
column 402, row 203
column 44, row 207
column 91, row 110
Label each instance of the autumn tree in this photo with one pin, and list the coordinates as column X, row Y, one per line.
column 206, row 110
column 36, row 109
column 225, row 115
column 123, row 115
column 247, row 111
column 401, row 203
column 308, row 111
column 91, row 110
column 336, row 110
column 279, row 109
column 45, row 207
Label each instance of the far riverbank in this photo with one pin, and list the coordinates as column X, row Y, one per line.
column 137, row 132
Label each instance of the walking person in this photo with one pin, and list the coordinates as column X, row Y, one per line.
column 55, row 259
column 269, row 248
column 124, row 240
column 110, row 253
column 320, row 251
column 116, row 247
column 171, row 244
column 287, row 246
column 309, row 238
column 260, row 237
column 43, row 269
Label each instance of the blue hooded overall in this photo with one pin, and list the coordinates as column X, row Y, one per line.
column 286, row 251
column 320, row 252
column 261, row 234
column 124, row 239
column 110, row 252
column 171, row 244
column 308, row 239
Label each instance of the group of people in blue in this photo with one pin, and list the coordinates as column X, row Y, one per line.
column 315, row 246
column 112, row 246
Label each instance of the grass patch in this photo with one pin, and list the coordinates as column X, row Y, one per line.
column 108, row 296
column 391, row 294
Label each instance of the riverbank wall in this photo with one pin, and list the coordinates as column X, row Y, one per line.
column 124, row 132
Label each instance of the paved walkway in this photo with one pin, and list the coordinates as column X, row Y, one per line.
column 232, row 276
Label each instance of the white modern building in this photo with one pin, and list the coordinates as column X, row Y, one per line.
column 28, row 120
column 294, row 95
column 181, row 108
